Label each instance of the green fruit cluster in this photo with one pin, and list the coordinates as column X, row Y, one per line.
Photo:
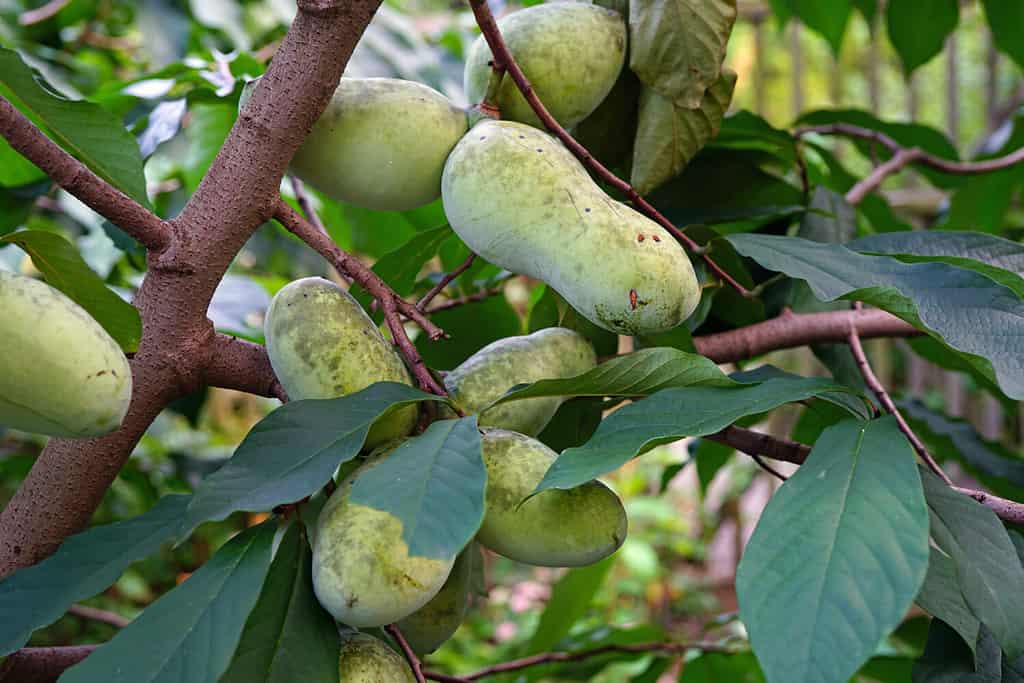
column 61, row 374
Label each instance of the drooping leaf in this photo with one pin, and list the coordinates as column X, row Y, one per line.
column 846, row 573
column 967, row 311
column 942, row 598
column 434, row 483
column 570, row 599
column 190, row 633
column 471, row 327
column 288, row 636
column 918, row 28
column 827, row 18
column 89, row 132
column 746, row 131
column 574, row 422
column 209, row 125
column 84, row 565
column 1006, row 21
column 294, row 451
column 946, row 659
column 639, row 373
column 64, row 269
column 669, row 415
column 16, row 203
column 830, row 218
column 677, row 47
column 669, row 135
column 710, row 457
column 990, row 578
column 399, row 268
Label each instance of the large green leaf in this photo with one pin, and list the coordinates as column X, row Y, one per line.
column 676, row 47
column 828, row 18
column 1006, row 21
column 294, row 451
column 89, row 132
column 719, row 667
column 946, row 659
column 570, row 598
column 1000, row 259
column 669, row 135
column 434, row 483
column 84, row 565
column 669, row 415
column 918, row 28
column 400, row 267
column 190, row 633
column 837, row 556
column 63, row 268
column 967, row 311
column 288, row 637
column 639, row 373
column 990, row 577
column 941, row 597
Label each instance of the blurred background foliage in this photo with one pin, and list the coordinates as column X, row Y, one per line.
column 174, row 70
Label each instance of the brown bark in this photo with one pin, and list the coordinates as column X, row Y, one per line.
column 42, row 664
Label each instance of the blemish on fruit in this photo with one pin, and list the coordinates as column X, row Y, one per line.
column 639, row 238
column 655, row 238
column 632, row 299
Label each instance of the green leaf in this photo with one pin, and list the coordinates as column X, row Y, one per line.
column 830, row 219
column 677, row 47
column 983, row 201
column 84, row 565
column 570, row 598
column 942, row 598
column 710, row 457
column 190, row 633
column 574, row 422
column 827, row 18
column 17, row 204
column 669, row 415
column 288, row 636
column 991, row 580
column 471, row 327
column 998, row 259
column 918, row 28
column 294, row 451
column 715, row 667
column 640, row 373
column 669, row 135
column 967, row 311
column 1006, row 21
column 846, row 572
column 946, row 658
column 89, row 132
column 434, row 483
column 746, row 131
column 64, row 269
column 208, row 128
column 400, row 267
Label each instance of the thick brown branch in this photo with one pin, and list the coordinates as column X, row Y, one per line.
column 42, row 664
column 755, row 443
column 244, row 366
column 73, row 176
column 503, row 59
column 1007, row 510
column 798, row 329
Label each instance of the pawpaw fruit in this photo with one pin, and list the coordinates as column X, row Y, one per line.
column 571, row 52
column 61, row 373
column 362, row 571
column 521, row 200
column 322, row 344
column 555, row 528
column 551, row 353
column 430, row 626
column 381, row 144
column 365, row 659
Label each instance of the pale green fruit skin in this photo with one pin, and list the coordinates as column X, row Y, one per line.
column 555, row 528
column 551, row 353
column 430, row 626
column 519, row 199
column 364, row 659
column 61, row 374
column 362, row 571
column 322, row 344
column 570, row 52
column 381, row 144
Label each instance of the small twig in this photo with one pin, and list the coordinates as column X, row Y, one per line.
column 410, row 656
column 502, row 58
column 463, row 300
column 445, row 281
column 41, row 14
column 306, row 204
column 883, row 397
column 561, row 657
column 101, row 615
column 767, row 468
column 896, row 163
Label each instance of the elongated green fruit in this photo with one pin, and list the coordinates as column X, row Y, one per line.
column 552, row 353
column 381, row 144
column 60, row 372
column 362, row 571
column 571, row 52
column 521, row 200
column 322, row 344
column 430, row 626
column 364, row 659
column 555, row 528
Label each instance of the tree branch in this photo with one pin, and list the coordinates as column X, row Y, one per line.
column 242, row 365
column 799, row 329
column 895, row 164
column 101, row 615
column 42, row 664
column 410, row 656
column 503, row 60
column 78, row 180
column 445, row 281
